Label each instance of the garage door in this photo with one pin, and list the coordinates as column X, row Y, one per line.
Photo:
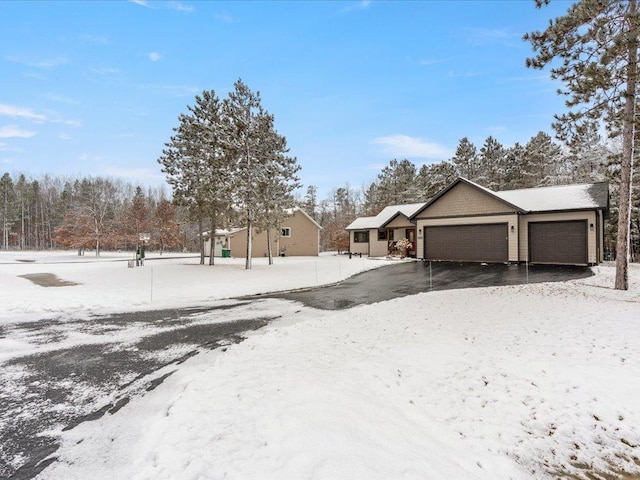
column 558, row 242
column 467, row 243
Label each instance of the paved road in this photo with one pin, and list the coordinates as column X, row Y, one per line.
column 408, row 278
column 44, row 392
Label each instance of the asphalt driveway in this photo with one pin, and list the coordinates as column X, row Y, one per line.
column 408, row 278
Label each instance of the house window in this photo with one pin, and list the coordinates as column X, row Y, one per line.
column 382, row 234
column 361, row 237
column 285, row 232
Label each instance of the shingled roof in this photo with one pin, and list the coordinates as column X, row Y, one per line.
column 385, row 216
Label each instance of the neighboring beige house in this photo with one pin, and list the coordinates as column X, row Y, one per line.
column 299, row 235
column 377, row 236
column 466, row 222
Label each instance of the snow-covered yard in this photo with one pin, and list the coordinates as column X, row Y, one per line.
column 530, row 381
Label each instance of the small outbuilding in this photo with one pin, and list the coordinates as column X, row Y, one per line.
column 299, row 235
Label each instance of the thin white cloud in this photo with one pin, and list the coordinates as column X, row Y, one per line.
column 223, row 17
column 45, row 64
column 64, row 136
column 491, row 36
column 497, row 129
column 6, row 148
column 181, row 7
column 61, row 99
column 453, row 74
column 360, row 5
column 105, row 71
column 35, row 75
column 142, row 3
column 412, row 147
column 11, row 131
column 425, row 62
column 97, row 39
column 20, row 112
column 69, row 123
column 376, row 166
column 135, row 173
column 154, row 56
column 176, row 90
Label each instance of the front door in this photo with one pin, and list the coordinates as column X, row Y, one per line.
column 410, row 234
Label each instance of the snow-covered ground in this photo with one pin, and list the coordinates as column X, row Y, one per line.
column 105, row 284
column 493, row 383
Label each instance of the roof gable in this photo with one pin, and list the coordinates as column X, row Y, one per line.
column 385, row 216
column 463, row 197
column 295, row 210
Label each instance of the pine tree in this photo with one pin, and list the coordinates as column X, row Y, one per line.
column 543, row 162
column 466, row 160
column 310, row 203
column 7, row 207
column 588, row 157
column 197, row 164
column 277, row 181
column 243, row 116
column 441, row 175
column 512, row 175
column 597, row 44
column 492, row 163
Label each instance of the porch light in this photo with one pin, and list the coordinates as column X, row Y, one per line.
column 591, row 226
column 513, row 228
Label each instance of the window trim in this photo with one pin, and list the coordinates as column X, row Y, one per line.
column 359, row 234
column 283, row 230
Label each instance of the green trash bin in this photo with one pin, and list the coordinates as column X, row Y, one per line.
column 226, row 253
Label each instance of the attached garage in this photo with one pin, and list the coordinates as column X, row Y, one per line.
column 467, row 243
column 558, row 242
column 466, row 222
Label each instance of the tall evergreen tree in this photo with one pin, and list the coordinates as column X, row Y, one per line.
column 275, row 186
column 243, row 116
column 310, row 202
column 512, row 174
column 466, row 160
column 543, row 162
column 7, row 207
column 198, row 166
column 596, row 44
column 492, row 164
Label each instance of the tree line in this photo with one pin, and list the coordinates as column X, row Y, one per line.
column 539, row 162
column 87, row 213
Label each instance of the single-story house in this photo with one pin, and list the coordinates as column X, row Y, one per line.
column 466, row 222
column 299, row 235
column 377, row 236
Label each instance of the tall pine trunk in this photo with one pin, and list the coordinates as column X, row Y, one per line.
column 269, row 249
column 626, row 170
column 247, row 264
column 201, row 239
column 212, row 245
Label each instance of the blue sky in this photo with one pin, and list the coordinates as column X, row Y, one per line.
column 95, row 88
